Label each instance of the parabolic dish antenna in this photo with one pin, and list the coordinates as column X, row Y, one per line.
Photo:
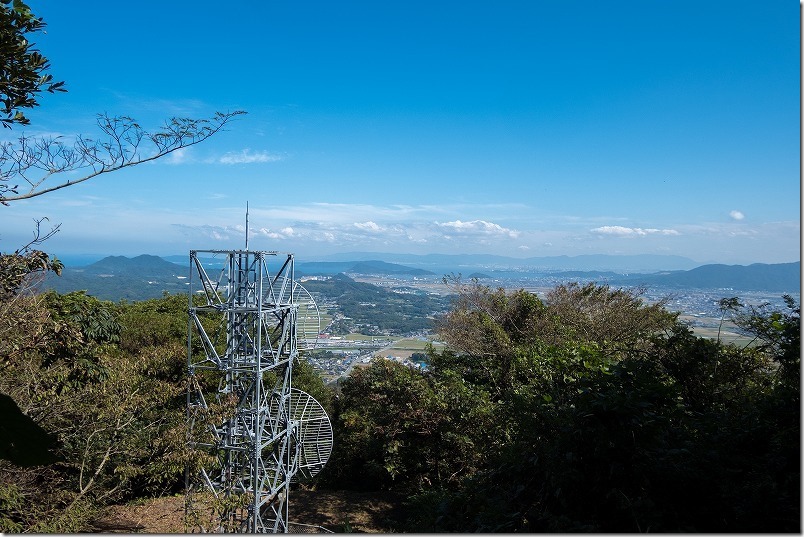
column 312, row 432
column 308, row 318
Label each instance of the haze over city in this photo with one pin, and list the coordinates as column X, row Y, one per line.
column 514, row 128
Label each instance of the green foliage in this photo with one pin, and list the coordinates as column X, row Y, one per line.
column 101, row 387
column 373, row 429
column 82, row 327
column 117, row 416
column 93, row 320
column 615, row 319
column 590, row 411
column 33, row 500
column 19, row 270
column 24, row 73
column 307, row 379
column 154, row 322
column 779, row 334
column 494, row 323
column 709, row 374
column 396, row 428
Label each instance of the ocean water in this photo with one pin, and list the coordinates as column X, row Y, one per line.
column 78, row 260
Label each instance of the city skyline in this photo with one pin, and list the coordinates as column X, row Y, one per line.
column 515, row 128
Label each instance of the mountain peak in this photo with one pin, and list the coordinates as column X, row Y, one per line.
column 144, row 264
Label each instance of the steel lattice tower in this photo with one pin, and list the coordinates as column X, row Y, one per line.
column 249, row 431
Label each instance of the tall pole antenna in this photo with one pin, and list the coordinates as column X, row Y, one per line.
column 246, row 225
column 254, row 433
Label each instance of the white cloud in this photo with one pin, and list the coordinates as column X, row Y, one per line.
column 325, row 213
column 216, row 233
column 311, row 228
column 284, row 233
column 381, row 227
column 179, row 156
column 270, row 234
column 621, row 231
column 478, row 227
column 736, row 215
column 368, row 226
column 743, row 233
column 246, row 156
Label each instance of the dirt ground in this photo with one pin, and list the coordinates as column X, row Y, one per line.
column 338, row 511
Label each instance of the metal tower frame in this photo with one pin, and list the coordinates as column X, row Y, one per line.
column 247, row 425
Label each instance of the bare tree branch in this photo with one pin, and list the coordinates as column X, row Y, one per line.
column 39, row 235
column 31, row 162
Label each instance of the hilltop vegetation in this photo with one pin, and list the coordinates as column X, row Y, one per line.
column 587, row 410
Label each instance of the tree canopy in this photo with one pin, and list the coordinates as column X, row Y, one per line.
column 590, row 410
column 24, row 69
column 536, row 417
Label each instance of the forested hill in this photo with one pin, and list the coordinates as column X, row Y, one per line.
column 781, row 277
column 118, row 277
column 373, row 309
column 145, row 265
column 149, row 276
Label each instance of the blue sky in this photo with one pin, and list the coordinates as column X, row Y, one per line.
column 520, row 128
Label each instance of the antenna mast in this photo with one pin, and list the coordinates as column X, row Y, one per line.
column 252, row 434
column 247, row 225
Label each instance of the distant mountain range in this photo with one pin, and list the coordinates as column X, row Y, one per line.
column 447, row 263
column 781, row 277
column 147, row 276
column 323, row 268
column 784, row 277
